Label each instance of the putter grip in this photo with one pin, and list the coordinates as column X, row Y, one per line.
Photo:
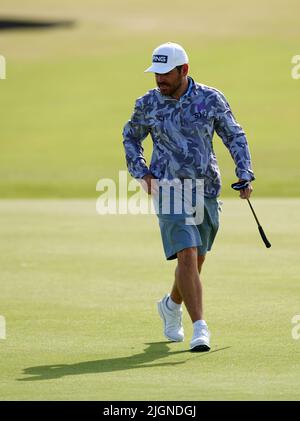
column 263, row 236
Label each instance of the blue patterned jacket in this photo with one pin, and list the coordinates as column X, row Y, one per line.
column 182, row 132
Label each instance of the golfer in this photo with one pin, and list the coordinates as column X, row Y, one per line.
column 181, row 117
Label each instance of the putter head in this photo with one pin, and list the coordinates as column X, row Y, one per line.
column 240, row 185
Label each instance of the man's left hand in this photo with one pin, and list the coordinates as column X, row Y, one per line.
column 246, row 193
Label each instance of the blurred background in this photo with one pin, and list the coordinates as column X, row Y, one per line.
column 78, row 291
column 73, row 74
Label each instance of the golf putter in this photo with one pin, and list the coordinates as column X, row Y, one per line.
column 240, row 186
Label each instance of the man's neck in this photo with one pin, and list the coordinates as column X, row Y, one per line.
column 182, row 89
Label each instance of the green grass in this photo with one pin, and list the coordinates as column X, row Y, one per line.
column 69, row 92
column 78, row 291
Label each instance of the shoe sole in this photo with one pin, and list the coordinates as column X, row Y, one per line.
column 200, row 348
column 164, row 320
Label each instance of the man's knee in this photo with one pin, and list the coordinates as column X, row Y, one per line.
column 187, row 257
column 200, row 262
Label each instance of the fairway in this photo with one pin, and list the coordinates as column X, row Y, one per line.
column 78, row 292
column 69, row 91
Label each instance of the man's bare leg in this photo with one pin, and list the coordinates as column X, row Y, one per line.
column 187, row 286
column 175, row 294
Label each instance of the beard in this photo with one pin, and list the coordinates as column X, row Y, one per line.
column 169, row 90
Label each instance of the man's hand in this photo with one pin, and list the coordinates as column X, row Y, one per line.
column 246, row 193
column 149, row 184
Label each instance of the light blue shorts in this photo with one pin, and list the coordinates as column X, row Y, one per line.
column 177, row 235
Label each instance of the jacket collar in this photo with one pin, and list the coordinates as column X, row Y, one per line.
column 191, row 91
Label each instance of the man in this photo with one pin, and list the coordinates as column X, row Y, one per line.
column 181, row 116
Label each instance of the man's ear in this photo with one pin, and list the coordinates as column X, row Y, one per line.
column 185, row 69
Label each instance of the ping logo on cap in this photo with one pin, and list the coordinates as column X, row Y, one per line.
column 157, row 58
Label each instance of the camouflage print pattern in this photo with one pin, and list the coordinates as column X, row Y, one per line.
column 182, row 132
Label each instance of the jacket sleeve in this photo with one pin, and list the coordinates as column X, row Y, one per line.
column 233, row 138
column 134, row 132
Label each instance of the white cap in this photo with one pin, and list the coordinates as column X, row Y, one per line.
column 166, row 57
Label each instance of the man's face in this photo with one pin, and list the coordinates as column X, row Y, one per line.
column 170, row 82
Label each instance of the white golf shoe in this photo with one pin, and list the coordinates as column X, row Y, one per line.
column 173, row 329
column 200, row 340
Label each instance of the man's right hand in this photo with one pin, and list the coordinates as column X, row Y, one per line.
column 149, row 184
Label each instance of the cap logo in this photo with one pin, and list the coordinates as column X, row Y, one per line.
column 157, row 58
